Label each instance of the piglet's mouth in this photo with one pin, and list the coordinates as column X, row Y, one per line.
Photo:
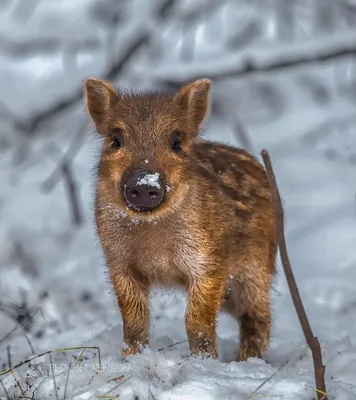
column 144, row 190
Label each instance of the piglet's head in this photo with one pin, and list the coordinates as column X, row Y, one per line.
column 146, row 156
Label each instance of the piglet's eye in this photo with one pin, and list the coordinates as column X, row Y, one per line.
column 115, row 142
column 176, row 141
column 117, row 139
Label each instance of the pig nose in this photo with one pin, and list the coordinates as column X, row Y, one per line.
column 144, row 190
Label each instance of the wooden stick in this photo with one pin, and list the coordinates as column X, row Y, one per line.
column 312, row 341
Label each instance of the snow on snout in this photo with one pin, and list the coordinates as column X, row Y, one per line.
column 151, row 180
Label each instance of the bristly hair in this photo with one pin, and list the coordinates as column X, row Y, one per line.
column 142, row 103
column 144, row 93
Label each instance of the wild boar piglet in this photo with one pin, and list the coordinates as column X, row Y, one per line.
column 173, row 209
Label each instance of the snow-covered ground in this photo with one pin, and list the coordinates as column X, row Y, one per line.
column 52, row 274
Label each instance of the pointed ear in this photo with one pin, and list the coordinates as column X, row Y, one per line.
column 194, row 100
column 100, row 97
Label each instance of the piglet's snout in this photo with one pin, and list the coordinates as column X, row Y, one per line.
column 144, row 190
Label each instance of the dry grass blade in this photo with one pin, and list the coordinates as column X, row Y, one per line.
column 107, row 396
column 66, row 384
column 172, row 345
column 28, row 360
column 17, row 383
column 250, row 396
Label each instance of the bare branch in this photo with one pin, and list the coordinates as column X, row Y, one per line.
column 166, row 8
column 325, row 15
column 49, row 184
column 248, row 66
column 113, row 71
column 245, row 36
column 65, row 104
column 72, row 193
column 242, row 136
column 43, row 46
column 312, row 341
column 286, row 19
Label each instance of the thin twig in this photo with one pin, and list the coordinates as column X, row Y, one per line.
column 9, row 356
column 5, row 390
column 20, row 324
column 313, row 342
column 17, row 382
column 30, row 344
column 54, row 379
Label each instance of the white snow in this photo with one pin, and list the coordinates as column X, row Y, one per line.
column 150, row 180
column 55, row 273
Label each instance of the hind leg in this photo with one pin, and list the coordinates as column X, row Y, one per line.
column 248, row 300
column 255, row 329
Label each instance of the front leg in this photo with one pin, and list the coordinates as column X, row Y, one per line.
column 205, row 297
column 133, row 301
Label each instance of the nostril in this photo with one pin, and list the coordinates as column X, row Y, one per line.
column 134, row 193
column 152, row 194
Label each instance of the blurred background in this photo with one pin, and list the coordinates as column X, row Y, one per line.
column 284, row 79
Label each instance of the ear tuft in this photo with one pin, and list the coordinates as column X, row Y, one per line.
column 194, row 99
column 100, row 97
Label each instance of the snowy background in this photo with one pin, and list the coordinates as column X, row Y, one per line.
column 284, row 79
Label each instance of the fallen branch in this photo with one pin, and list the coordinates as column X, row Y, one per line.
column 311, row 340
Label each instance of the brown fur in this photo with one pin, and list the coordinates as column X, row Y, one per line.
column 214, row 233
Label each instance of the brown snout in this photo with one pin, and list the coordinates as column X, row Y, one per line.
column 144, row 190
